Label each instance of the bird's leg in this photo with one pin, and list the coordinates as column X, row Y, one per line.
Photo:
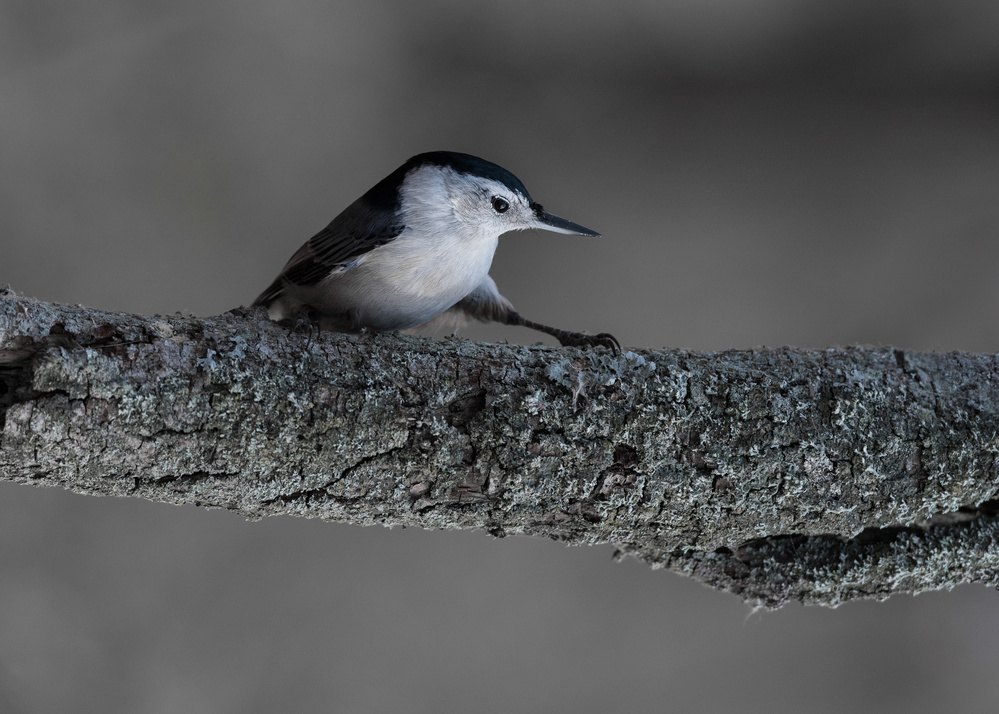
column 304, row 320
column 565, row 337
column 486, row 304
column 315, row 323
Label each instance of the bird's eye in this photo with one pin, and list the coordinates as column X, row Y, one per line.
column 500, row 204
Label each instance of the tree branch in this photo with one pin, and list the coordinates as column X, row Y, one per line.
column 818, row 476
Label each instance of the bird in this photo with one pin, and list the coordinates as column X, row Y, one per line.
column 415, row 251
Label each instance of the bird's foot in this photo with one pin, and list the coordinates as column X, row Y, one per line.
column 565, row 337
column 578, row 339
column 305, row 322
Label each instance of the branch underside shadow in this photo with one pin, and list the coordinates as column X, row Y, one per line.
column 779, row 475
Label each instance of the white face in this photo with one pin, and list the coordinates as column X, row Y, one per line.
column 490, row 204
column 473, row 205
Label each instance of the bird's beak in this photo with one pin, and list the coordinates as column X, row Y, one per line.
column 547, row 222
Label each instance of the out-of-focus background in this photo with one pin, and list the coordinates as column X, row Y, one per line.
column 765, row 172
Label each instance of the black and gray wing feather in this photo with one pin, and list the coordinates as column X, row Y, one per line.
column 363, row 226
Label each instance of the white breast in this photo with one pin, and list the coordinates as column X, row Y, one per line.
column 436, row 261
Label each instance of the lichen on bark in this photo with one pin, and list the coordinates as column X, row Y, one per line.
column 779, row 475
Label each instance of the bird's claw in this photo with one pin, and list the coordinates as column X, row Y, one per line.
column 306, row 322
column 578, row 339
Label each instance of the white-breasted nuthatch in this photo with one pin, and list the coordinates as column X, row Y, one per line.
column 416, row 249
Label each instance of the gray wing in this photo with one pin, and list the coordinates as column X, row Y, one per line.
column 359, row 229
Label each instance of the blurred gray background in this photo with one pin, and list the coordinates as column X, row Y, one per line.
column 765, row 172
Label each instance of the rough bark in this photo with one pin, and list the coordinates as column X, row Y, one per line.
column 818, row 476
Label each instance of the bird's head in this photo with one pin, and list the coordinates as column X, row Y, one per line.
column 445, row 190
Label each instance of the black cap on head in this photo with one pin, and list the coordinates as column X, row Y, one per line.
column 472, row 165
column 384, row 196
